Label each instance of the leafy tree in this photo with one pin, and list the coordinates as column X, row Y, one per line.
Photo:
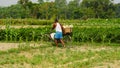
column 41, row 1
column 14, row 11
column 34, row 10
column 3, row 12
column 118, row 10
column 74, row 11
column 61, row 6
column 24, row 3
column 101, row 8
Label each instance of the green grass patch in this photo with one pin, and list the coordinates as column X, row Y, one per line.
column 83, row 55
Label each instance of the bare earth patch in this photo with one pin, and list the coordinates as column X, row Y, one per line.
column 21, row 26
column 115, row 64
column 23, row 65
column 85, row 48
column 77, row 61
column 7, row 46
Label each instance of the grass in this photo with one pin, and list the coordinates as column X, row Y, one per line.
column 81, row 55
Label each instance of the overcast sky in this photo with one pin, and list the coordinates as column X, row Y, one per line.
column 11, row 2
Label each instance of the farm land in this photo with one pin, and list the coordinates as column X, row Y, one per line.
column 95, row 44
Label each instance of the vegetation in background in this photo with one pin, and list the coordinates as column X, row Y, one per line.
column 84, row 34
column 88, row 22
column 89, row 29
column 75, row 9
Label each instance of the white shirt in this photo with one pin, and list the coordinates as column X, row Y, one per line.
column 58, row 28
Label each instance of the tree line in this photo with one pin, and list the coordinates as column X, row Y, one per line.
column 74, row 9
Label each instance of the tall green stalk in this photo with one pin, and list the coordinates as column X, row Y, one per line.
column 33, row 35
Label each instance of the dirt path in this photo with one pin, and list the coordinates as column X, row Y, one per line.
column 7, row 46
column 21, row 26
column 84, row 48
column 115, row 64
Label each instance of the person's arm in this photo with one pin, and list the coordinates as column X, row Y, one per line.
column 54, row 25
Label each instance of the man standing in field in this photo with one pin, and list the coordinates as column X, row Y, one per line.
column 58, row 35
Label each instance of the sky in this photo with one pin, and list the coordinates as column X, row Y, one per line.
column 12, row 2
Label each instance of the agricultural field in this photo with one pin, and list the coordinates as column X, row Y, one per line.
column 24, row 44
column 79, row 55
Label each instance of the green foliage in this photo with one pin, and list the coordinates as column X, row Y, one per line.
column 118, row 10
column 25, row 22
column 24, row 34
column 41, row 1
column 24, row 3
column 98, row 8
column 75, row 9
column 91, row 30
column 101, row 35
column 96, row 35
column 14, row 11
column 89, row 55
column 88, row 22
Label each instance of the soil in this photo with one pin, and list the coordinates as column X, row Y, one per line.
column 83, row 48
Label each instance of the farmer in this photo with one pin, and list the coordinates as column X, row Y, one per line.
column 58, row 35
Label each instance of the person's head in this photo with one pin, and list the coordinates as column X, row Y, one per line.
column 56, row 20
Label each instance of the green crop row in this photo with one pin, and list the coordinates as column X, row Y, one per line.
column 88, row 22
column 23, row 34
column 111, row 35
column 96, row 35
column 25, row 22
